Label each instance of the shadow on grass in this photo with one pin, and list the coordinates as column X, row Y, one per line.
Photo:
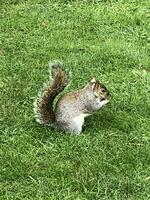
column 111, row 120
column 106, row 120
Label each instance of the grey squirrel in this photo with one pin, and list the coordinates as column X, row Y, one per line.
column 71, row 108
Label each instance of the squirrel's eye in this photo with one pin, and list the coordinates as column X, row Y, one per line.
column 102, row 90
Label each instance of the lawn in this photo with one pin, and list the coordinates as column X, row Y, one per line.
column 108, row 39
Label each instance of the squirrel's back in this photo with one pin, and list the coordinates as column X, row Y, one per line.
column 43, row 105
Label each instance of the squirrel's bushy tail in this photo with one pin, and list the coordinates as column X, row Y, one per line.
column 43, row 105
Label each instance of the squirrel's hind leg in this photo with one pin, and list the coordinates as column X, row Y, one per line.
column 74, row 125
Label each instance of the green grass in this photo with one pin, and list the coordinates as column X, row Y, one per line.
column 106, row 39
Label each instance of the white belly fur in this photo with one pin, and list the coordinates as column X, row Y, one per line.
column 79, row 121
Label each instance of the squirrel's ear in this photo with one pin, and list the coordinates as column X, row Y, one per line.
column 93, row 80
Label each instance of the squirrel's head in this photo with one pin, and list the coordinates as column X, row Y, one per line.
column 100, row 91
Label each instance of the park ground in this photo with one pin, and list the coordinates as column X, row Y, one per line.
column 110, row 40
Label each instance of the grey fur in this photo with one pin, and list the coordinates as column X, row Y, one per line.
column 86, row 103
